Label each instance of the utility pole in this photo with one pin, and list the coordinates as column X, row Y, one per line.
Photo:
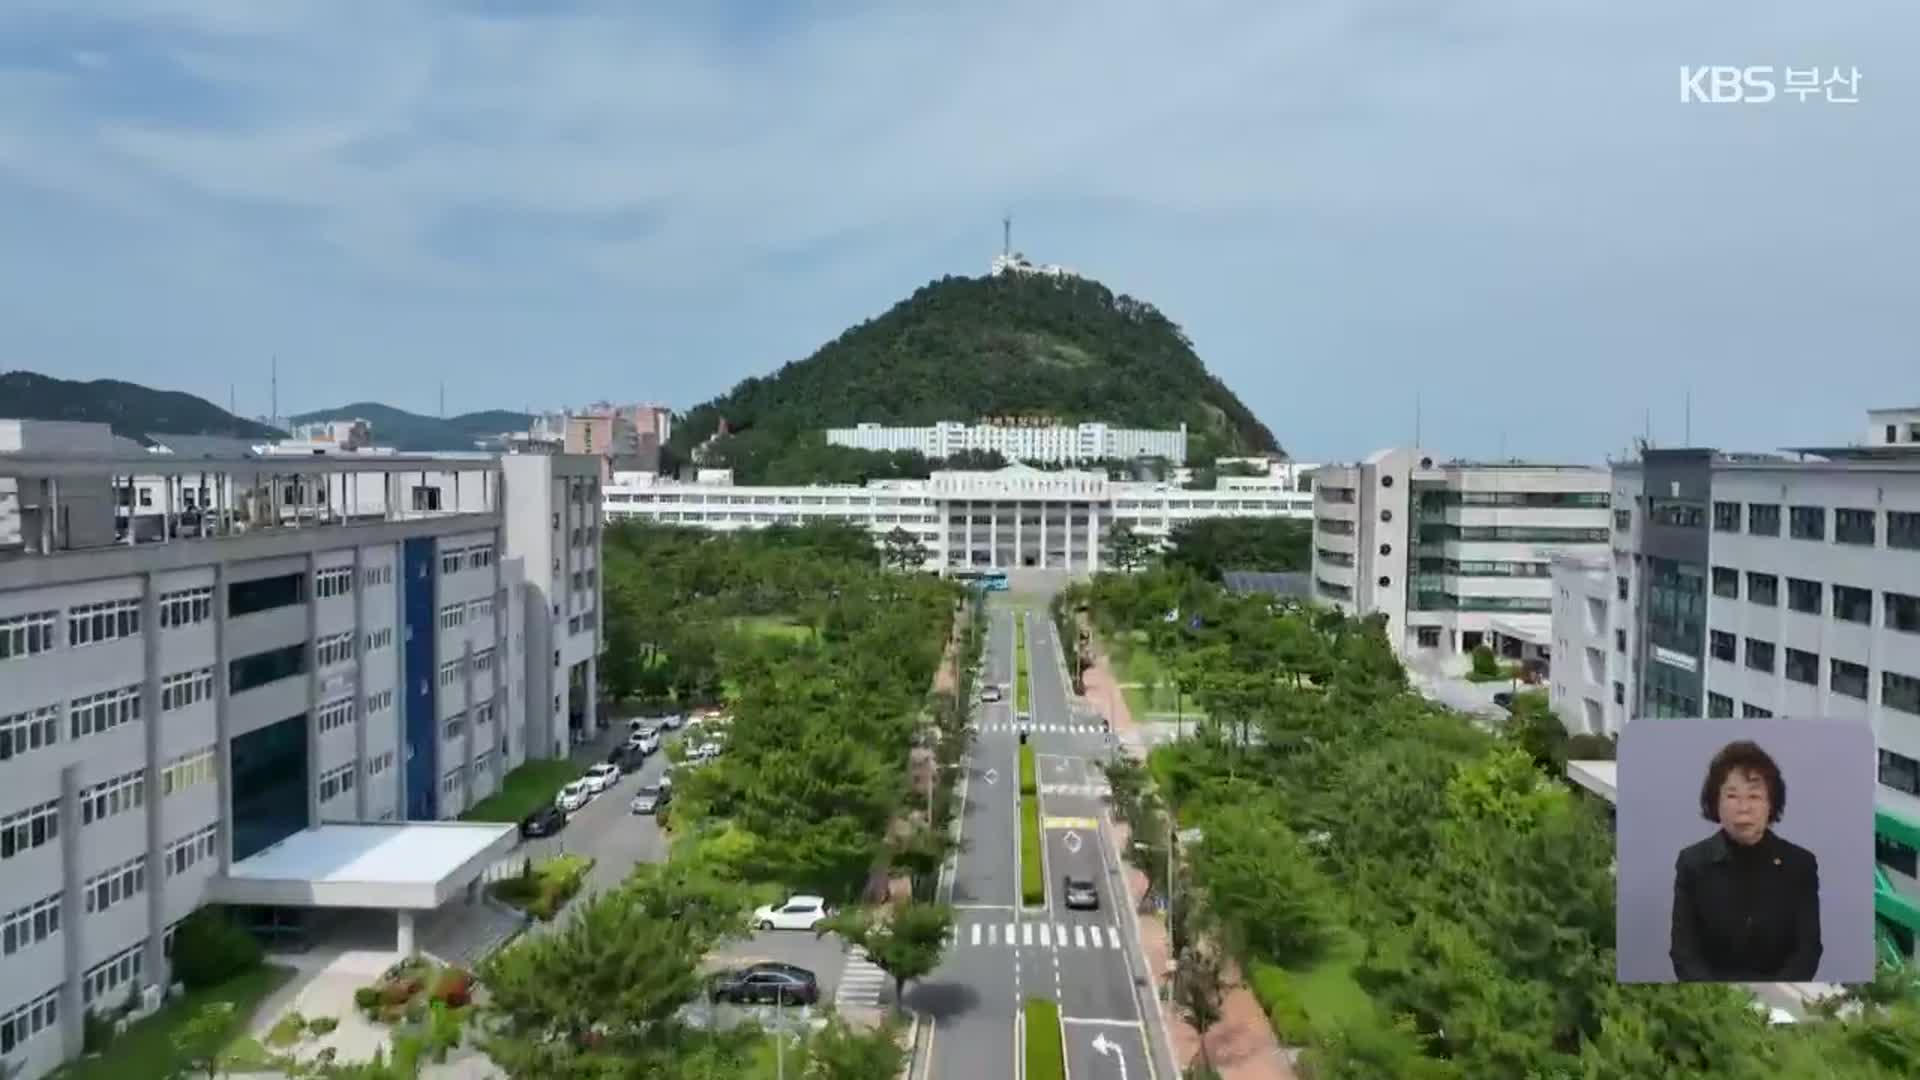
column 274, row 420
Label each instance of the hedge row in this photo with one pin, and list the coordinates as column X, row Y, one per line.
column 1029, row 774
column 1033, row 877
column 1046, row 1055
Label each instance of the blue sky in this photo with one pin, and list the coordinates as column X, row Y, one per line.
column 1499, row 206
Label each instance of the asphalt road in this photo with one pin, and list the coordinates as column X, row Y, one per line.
column 970, row 1002
column 1095, row 982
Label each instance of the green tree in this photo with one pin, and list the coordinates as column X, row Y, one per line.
column 1199, row 991
column 201, row 1039
column 906, row 941
column 903, row 551
column 1261, row 882
column 1123, row 549
column 839, row 1052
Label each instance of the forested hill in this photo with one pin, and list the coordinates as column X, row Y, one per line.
column 133, row 410
column 969, row 348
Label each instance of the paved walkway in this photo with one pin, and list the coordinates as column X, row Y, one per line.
column 1241, row 1046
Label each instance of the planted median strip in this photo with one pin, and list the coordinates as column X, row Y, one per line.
column 1021, row 704
column 1046, row 1055
column 1033, row 878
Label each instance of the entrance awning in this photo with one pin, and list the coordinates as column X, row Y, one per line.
column 418, row 865
column 1536, row 630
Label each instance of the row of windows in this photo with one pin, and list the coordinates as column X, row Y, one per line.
column 379, row 763
column 29, row 924
column 104, row 711
column 186, row 606
column 109, row 887
column 1897, row 691
column 34, row 729
column 266, row 667
column 1430, row 564
column 336, row 782
column 455, row 725
column 454, row 780
column 379, row 639
column 480, row 609
column 1720, row 707
column 483, row 661
column 378, row 575
column 453, row 560
column 28, row 1020
column 186, row 688
column 27, row 635
column 109, row 975
column 1434, row 498
column 379, row 701
column 1850, row 603
column 1850, row 525
column 195, row 847
column 450, row 672
column 24, row 830
column 334, row 649
column 333, row 581
column 125, row 792
column 453, row 615
column 336, row 714
column 187, row 770
column 1439, row 532
column 91, row 624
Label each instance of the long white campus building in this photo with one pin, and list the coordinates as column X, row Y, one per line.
column 1453, row 554
column 1763, row 585
column 1051, row 443
column 1003, row 519
column 265, row 682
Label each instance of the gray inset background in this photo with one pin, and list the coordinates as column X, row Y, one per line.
column 1828, row 768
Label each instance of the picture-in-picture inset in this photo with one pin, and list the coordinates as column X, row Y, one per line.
column 1745, row 851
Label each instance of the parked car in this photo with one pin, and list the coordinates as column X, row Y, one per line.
column 671, row 722
column 770, row 982
column 1080, row 894
column 573, row 796
column 990, row 693
column 643, row 726
column 798, row 913
column 645, row 743
column 600, row 777
column 543, row 822
column 1504, row 699
column 650, row 798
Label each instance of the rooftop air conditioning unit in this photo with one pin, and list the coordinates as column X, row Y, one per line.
column 150, row 998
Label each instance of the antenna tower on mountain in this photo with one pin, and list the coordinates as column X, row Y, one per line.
column 1006, row 234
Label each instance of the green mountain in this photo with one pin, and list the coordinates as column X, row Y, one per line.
column 403, row 430
column 967, row 349
column 135, row 411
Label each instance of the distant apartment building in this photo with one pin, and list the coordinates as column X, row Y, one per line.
column 1764, row 585
column 267, row 681
column 1036, row 442
column 1454, row 554
column 627, row 438
column 1000, row 519
column 345, row 434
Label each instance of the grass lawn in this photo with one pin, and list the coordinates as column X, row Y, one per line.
column 1134, row 662
column 524, row 790
column 772, row 626
column 1327, row 991
column 1020, row 663
column 147, row 1047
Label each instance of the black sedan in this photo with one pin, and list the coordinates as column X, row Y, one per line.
column 545, row 821
column 1080, row 895
column 771, row 983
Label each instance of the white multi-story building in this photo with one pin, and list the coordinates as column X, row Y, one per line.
column 260, row 699
column 1764, row 585
column 1051, row 443
column 1453, row 554
column 1001, row 519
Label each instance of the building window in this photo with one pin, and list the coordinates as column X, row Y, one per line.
column 1619, row 641
column 379, row 701
column 29, row 1020
column 1754, row 712
column 195, row 847
column 333, row 581
column 1620, row 587
column 1903, row 531
column 1896, row 856
column 451, row 560
column 1719, row 706
column 1676, row 605
column 1623, row 520
column 92, row 624
column 483, row 661
column 335, row 715
column 452, row 615
column 186, row 606
column 187, row 770
column 1807, row 522
column 1763, row 519
column 455, row 725
column 24, row 732
column 449, row 673
column 125, row 792
column 1803, row 667
column 1899, row 691
column 379, row 639
column 1722, row 645
column 1853, row 605
column 186, row 688
column 109, row 887
column 1726, row 582
column 1846, row 677
column 24, row 830
column 1903, row 613
column 1763, row 589
column 480, row 609
column 1760, row 655
column 265, row 594
column 451, row 783
column 1726, row 516
column 1900, row 772
column 104, row 978
column 426, row 498
column 1677, row 513
column 1804, row 595
column 1619, row 694
column 262, row 668
column 480, row 557
column 336, row 782
column 377, row 575
column 379, row 763
column 1854, row 526
column 335, row 649
column 97, row 713
column 30, row 925
column 26, row 635
column 1428, row 637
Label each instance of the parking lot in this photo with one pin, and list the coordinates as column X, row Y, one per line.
column 616, row 838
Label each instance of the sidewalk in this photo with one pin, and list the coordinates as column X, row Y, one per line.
column 1242, row 1045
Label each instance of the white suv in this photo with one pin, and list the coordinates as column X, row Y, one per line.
column 798, row 913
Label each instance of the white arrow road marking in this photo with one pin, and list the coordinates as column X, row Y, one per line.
column 992, row 776
column 1102, row 1047
column 1073, row 843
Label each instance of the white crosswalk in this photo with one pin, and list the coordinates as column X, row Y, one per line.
column 1092, row 791
column 861, row 981
column 1035, row 935
column 1057, row 729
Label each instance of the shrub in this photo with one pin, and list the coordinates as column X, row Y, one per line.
column 1273, row 988
column 322, row 1025
column 1029, row 784
column 1046, row 1057
column 1033, row 875
column 1485, row 664
column 287, row 1031
column 366, row 998
column 208, row 949
column 399, row 991
column 454, row 988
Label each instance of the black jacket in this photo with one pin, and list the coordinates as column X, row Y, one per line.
column 1746, row 914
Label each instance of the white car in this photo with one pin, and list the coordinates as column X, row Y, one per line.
column 989, row 694
column 672, row 722
column 798, row 913
column 600, row 777
column 573, row 796
column 646, row 744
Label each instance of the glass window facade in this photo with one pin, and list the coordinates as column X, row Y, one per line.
column 269, row 785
